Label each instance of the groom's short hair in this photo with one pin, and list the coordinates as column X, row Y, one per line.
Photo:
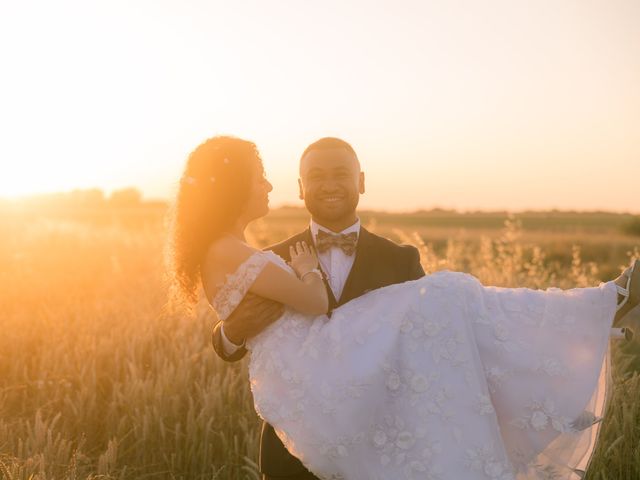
column 328, row 143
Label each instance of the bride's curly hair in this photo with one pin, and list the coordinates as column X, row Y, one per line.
column 211, row 196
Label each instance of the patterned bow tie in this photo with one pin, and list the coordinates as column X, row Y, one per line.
column 344, row 241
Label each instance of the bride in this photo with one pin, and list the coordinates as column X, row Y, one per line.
column 436, row 378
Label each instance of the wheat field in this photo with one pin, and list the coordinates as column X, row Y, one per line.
column 99, row 380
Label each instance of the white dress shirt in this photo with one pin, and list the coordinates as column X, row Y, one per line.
column 228, row 346
column 335, row 264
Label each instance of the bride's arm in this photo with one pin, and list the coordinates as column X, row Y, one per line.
column 306, row 294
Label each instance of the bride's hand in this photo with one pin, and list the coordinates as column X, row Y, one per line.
column 303, row 258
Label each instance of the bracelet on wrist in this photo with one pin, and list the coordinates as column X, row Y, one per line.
column 313, row 270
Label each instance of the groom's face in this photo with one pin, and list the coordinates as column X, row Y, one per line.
column 330, row 184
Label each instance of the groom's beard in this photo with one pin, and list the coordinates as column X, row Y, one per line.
column 323, row 209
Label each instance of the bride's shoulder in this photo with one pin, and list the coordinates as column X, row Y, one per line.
column 228, row 251
column 222, row 257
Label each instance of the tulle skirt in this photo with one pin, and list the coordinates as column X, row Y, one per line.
column 440, row 378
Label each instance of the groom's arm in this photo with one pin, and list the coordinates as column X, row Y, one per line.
column 226, row 350
column 250, row 317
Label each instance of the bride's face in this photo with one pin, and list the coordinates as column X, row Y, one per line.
column 258, row 201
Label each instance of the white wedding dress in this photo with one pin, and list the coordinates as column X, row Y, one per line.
column 436, row 378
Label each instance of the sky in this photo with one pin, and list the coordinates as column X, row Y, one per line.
column 499, row 104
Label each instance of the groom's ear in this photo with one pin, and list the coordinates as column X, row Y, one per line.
column 300, row 190
column 361, row 183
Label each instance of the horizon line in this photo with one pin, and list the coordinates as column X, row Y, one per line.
column 107, row 194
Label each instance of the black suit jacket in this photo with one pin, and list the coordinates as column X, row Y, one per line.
column 379, row 262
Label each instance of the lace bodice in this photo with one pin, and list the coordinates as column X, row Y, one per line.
column 233, row 289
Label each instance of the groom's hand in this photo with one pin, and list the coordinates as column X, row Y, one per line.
column 251, row 317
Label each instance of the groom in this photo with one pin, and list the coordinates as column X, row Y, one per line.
column 352, row 260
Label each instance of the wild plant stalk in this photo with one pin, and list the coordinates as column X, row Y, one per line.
column 98, row 380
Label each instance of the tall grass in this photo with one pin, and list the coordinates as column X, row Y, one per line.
column 99, row 380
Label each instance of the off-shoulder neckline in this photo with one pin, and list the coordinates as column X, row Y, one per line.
column 228, row 276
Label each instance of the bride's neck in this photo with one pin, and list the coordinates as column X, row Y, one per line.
column 238, row 230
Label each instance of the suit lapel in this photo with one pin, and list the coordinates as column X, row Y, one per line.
column 360, row 270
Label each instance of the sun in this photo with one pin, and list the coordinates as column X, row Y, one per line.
column 12, row 190
column 41, row 173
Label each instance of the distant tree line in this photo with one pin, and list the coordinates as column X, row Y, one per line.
column 632, row 227
column 92, row 198
column 123, row 207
